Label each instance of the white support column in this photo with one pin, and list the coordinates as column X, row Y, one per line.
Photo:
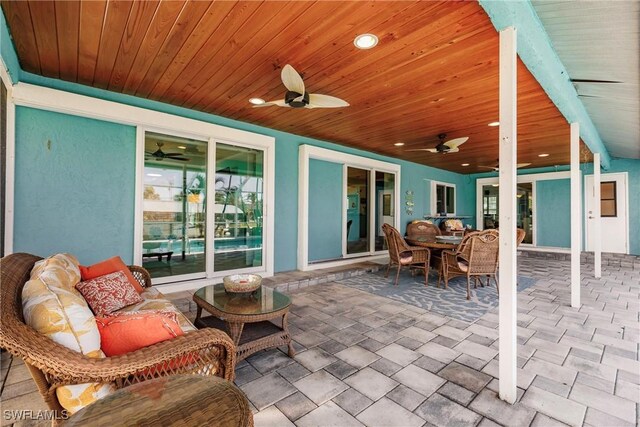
column 576, row 217
column 597, row 224
column 507, row 215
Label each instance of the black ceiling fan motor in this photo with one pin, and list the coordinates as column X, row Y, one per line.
column 290, row 96
column 441, row 147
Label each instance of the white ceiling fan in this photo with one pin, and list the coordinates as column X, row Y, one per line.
column 297, row 96
column 451, row 146
column 496, row 168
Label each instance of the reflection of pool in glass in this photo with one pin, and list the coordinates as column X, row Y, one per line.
column 197, row 245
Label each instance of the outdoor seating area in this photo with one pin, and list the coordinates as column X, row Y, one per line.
column 365, row 359
column 320, row 213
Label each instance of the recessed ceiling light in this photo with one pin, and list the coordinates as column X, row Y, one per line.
column 399, row 144
column 365, row 41
column 154, row 174
column 493, row 124
column 256, row 101
column 495, row 185
column 182, row 147
column 543, row 155
column 465, row 164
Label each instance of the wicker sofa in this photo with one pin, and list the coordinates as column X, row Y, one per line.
column 209, row 352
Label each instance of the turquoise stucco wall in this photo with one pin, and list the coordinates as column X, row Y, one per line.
column 325, row 214
column 74, row 187
column 553, row 209
column 553, row 204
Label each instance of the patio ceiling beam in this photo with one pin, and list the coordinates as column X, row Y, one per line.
column 507, row 216
column 537, row 54
column 595, row 214
column 576, row 219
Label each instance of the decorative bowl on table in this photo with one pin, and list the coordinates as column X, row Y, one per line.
column 241, row 283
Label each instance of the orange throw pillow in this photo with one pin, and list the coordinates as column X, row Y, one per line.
column 107, row 266
column 124, row 333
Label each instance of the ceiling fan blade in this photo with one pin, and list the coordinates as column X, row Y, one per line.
column 279, row 103
column 317, row 100
column 292, row 80
column 453, row 150
column 455, row 143
column 522, row 165
column 430, row 150
column 182, row 159
column 173, row 154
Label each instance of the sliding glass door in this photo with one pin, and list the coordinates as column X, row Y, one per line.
column 174, row 213
column 185, row 235
column 370, row 203
column 238, row 237
column 385, row 205
column 524, row 193
column 357, row 210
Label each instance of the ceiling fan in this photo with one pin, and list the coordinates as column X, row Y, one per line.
column 496, row 168
column 297, row 96
column 161, row 155
column 444, row 147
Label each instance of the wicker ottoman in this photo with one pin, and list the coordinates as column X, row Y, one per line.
column 179, row 400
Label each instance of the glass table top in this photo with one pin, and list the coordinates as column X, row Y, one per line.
column 265, row 300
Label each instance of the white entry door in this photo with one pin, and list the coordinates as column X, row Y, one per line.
column 613, row 211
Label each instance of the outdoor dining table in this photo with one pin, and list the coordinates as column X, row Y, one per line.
column 431, row 243
column 435, row 246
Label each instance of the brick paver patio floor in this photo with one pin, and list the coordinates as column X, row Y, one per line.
column 366, row 360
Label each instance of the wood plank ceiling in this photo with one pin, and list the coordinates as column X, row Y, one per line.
column 435, row 69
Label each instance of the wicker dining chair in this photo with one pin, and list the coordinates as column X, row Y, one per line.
column 476, row 256
column 422, row 229
column 209, row 351
column 403, row 255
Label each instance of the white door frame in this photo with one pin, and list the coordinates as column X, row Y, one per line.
column 307, row 152
column 209, row 272
column 522, row 179
column 607, row 177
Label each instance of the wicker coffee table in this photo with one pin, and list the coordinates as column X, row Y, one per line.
column 246, row 317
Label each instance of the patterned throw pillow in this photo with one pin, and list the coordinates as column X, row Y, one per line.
column 109, row 293
column 107, row 266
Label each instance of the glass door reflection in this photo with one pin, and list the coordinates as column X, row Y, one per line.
column 238, row 237
column 385, row 206
column 174, row 215
column 357, row 210
column 490, row 203
column 525, row 210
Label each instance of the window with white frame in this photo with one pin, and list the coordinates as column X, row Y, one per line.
column 443, row 198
